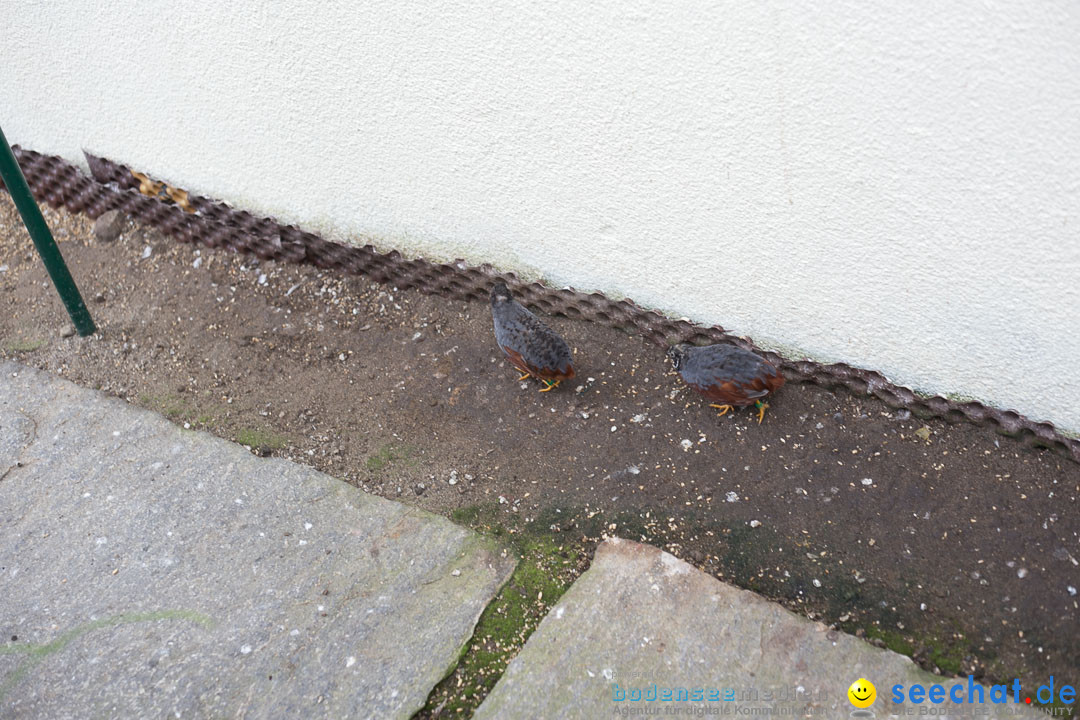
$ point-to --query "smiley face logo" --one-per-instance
(862, 693)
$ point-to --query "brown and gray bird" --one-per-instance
(727, 375)
(530, 345)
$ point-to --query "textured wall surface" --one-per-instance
(891, 187)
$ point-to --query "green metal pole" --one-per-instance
(43, 239)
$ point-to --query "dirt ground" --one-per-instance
(946, 542)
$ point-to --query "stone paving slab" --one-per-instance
(642, 619)
(147, 571)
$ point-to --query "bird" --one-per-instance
(727, 375)
(530, 345)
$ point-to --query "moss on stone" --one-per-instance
(545, 570)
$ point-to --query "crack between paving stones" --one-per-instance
(457, 662)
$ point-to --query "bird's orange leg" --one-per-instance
(761, 410)
(722, 408)
(526, 376)
(551, 385)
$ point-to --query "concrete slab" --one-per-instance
(642, 621)
(147, 571)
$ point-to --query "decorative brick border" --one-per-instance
(214, 224)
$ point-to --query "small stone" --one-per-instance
(732, 496)
(455, 573)
(146, 252)
(923, 433)
(1071, 589)
(109, 226)
(867, 481)
(755, 523)
(68, 331)
(1022, 573)
(99, 298)
(817, 583)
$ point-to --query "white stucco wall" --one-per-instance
(894, 187)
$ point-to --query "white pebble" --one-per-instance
(732, 496)
(1021, 573)
(245, 650)
(350, 661)
(817, 583)
(686, 445)
(867, 481)
(146, 252)
(1071, 589)
(755, 523)
(456, 573)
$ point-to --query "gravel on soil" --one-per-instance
(943, 541)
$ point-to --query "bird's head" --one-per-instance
(677, 353)
(500, 294)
